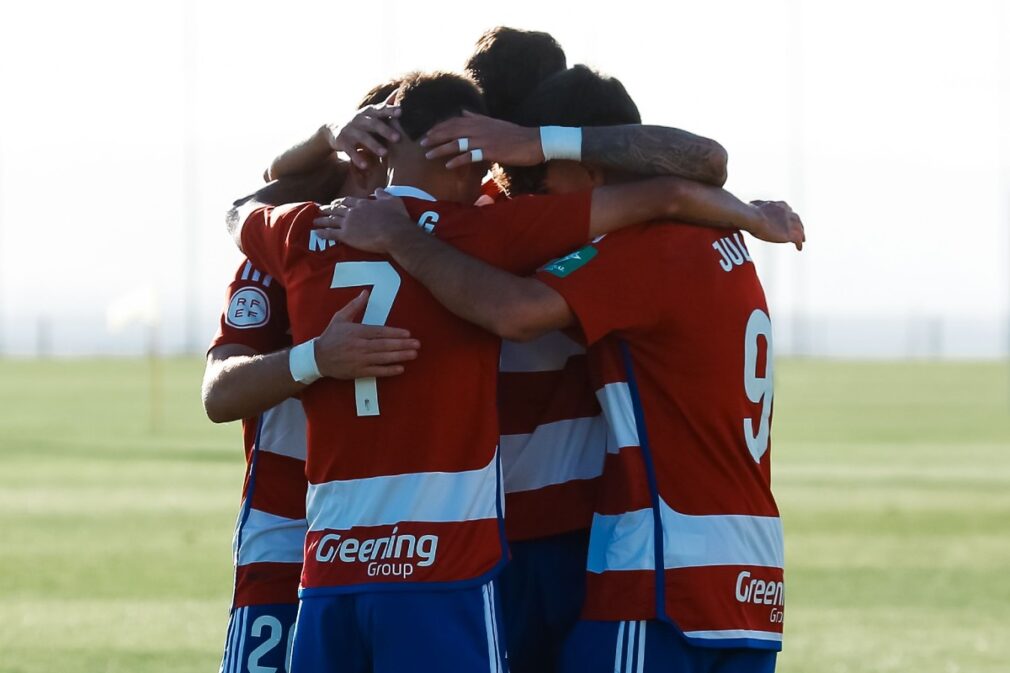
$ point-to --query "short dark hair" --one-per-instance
(508, 63)
(425, 99)
(579, 96)
(379, 93)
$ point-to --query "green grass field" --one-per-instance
(894, 482)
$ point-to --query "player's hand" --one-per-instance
(349, 350)
(777, 223)
(359, 135)
(371, 225)
(474, 138)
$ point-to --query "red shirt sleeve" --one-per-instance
(255, 313)
(614, 283)
(521, 234)
(267, 231)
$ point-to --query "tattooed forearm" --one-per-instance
(655, 150)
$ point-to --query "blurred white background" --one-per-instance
(127, 127)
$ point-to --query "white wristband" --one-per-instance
(302, 363)
(561, 142)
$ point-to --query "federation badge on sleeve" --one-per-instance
(565, 265)
(249, 308)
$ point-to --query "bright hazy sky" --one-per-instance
(878, 120)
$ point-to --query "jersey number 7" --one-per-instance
(385, 283)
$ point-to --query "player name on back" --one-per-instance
(732, 252)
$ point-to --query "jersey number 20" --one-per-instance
(385, 283)
(759, 388)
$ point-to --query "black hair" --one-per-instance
(508, 63)
(425, 99)
(579, 96)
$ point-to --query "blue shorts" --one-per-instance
(259, 639)
(543, 588)
(400, 632)
(652, 647)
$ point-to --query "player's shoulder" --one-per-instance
(417, 206)
(446, 219)
(284, 219)
(248, 274)
(693, 248)
(296, 214)
(253, 302)
(286, 213)
(255, 314)
(296, 208)
(666, 230)
(502, 210)
(295, 223)
(674, 248)
(671, 237)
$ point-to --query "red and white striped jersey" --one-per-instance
(553, 437)
(270, 531)
(686, 528)
(553, 434)
(404, 477)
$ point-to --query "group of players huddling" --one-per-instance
(590, 494)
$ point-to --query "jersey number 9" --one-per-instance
(759, 388)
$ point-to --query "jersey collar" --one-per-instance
(411, 192)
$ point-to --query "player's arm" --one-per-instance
(688, 200)
(635, 148)
(617, 206)
(365, 134)
(510, 306)
(673, 198)
(513, 307)
(655, 150)
(311, 169)
(238, 382)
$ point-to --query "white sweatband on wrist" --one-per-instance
(561, 142)
(302, 363)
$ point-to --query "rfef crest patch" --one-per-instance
(249, 307)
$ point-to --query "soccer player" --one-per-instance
(403, 511)
(508, 64)
(546, 405)
(685, 557)
(271, 526)
(243, 380)
(553, 432)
